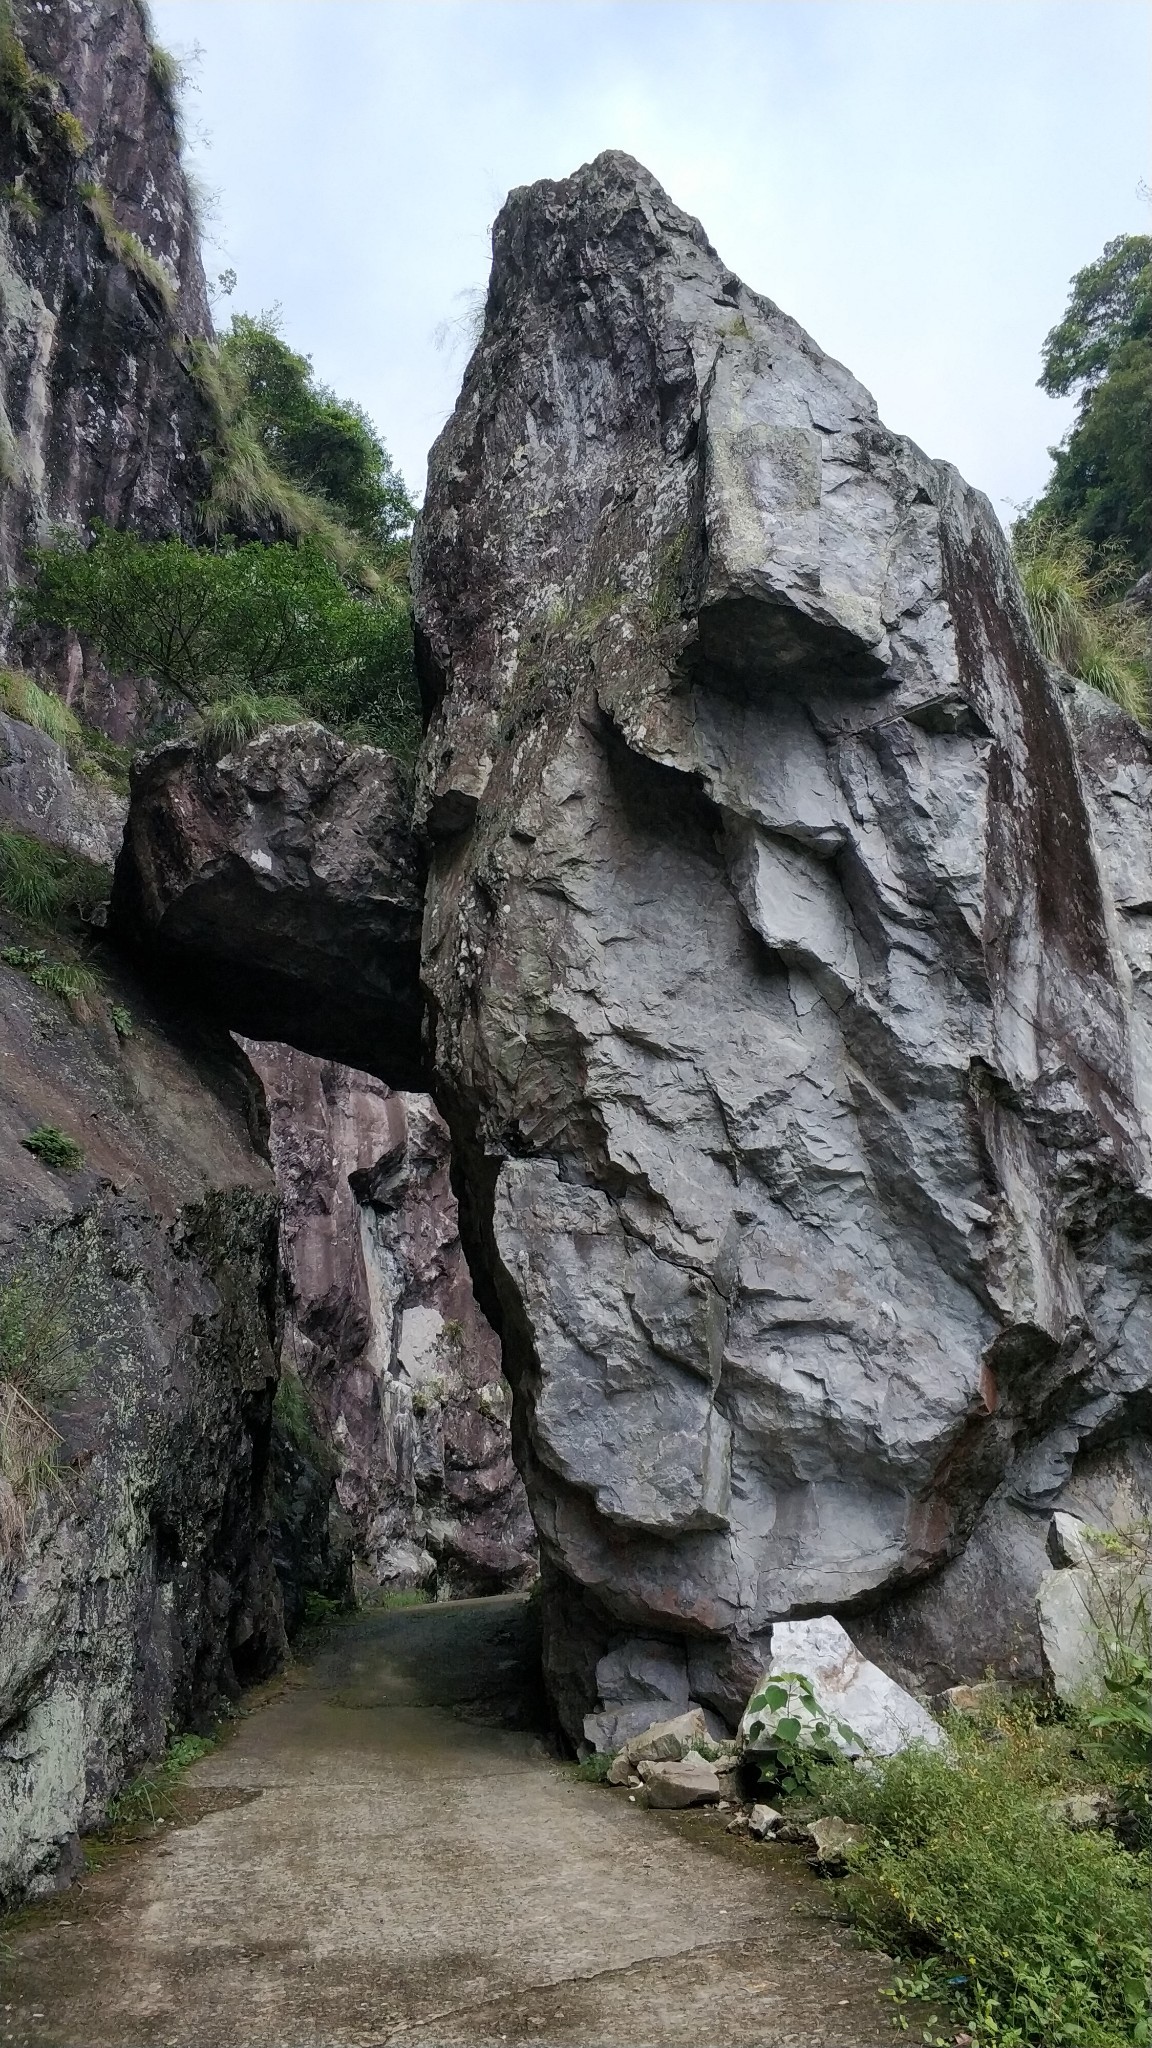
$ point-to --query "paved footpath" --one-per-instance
(369, 1867)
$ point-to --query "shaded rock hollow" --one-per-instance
(788, 1019)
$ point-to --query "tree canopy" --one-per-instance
(208, 625)
(326, 446)
(1101, 486)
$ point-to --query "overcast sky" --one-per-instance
(914, 180)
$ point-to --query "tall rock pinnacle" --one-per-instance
(783, 1006)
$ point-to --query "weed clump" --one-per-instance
(1035, 1936)
(41, 1363)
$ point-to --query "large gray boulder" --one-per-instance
(789, 1032)
(279, 886)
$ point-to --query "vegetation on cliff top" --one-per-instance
(296, 605)
(1090, 535)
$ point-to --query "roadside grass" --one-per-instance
(152, 1796)
(1029, 1934)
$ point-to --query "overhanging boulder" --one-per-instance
(281, 886)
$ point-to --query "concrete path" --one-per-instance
(369, 1868)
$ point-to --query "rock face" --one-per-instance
(39, 794)
(384, 1330)
(136, 1582)
(788, 1014)
(99, 417)
(281, 887)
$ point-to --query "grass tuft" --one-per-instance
(231, 721)
(1074, 624)
(126, 247)
(22, 698)
(43, 884)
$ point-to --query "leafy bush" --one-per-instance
(240, 622)
(1038, 1937)
(593, 1769)
(42, 883)
(54, 1148)
(1102, 348)
(122, 1023)
(786, 1717)
(323, 445)
(41, 1363)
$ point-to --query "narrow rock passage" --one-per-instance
(374, 1868)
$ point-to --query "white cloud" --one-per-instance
(915, 180)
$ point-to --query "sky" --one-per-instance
(914, 180)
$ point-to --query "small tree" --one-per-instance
(212, 625)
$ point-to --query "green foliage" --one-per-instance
(122, 1023)
(1072, 617)
(326, 446)
(126, 247)
(21, 697)
(1110, 301)
(1037, 1937)
(1102, 482)
(593, 1769)
(786, 1717)
(248, 495)
(319, 1609)
(64, 978)
(291, 1410)
(30, 100)
(399, 1597)
(22, 205)
(54, 1148)
(42, 883)
(249, 621)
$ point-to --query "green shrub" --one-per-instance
(54, 1148)
(594, 1769)
(291, 1410)
(252, 621)
(398, 1597)
(122, 1023)
(56, 977)
(40, 1314)
(324, 446)
(41, 1363)
(785, 1715)
(1038, 1937)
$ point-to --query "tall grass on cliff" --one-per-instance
(41, 1364)
(1076, 616)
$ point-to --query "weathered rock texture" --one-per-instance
(136, 1586)
(788, 1015)
(99, 416)
(282, 886)
(39, 794)
(383, 1329)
